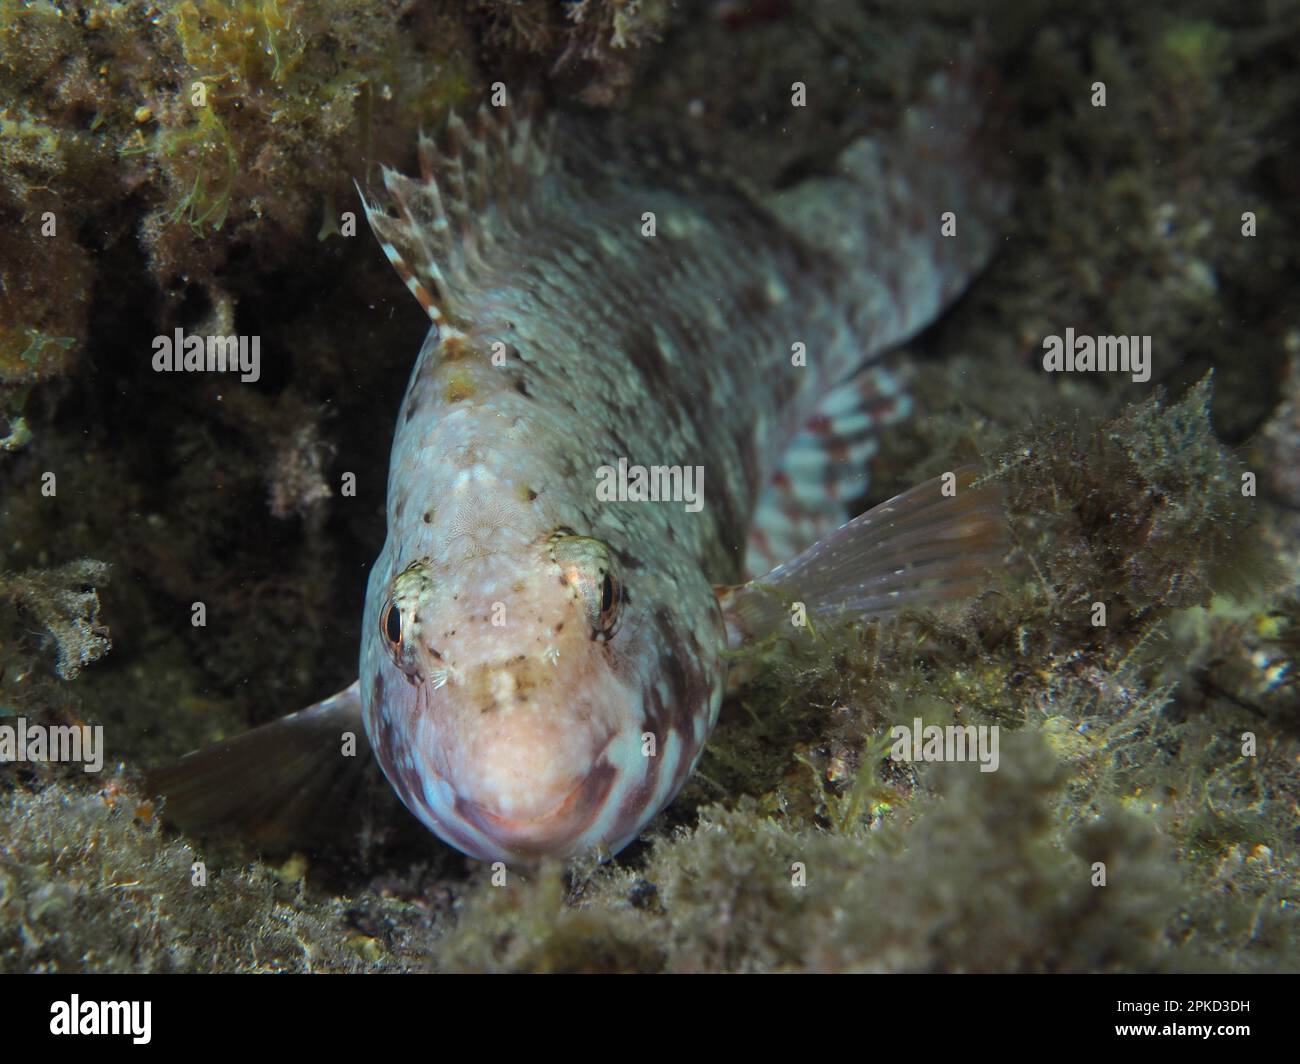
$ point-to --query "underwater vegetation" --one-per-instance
(799, 844)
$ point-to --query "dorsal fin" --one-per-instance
(440, 231)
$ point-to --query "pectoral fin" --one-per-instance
(298, 780)
(936, 543)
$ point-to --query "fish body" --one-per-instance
(543, 658)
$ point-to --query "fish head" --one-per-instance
(538, 699)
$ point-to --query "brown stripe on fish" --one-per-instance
(632, 806)
(657, 719)
(694, 421)
(644, 350)
(628, 561)
(730, 515)
(689, 686)
(456, 832)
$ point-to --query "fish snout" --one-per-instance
(531, 766)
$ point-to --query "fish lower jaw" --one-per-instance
(490, 828)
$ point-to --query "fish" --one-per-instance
(627, 450)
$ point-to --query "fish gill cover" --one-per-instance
(184, 555)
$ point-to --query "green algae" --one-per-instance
(208, 149)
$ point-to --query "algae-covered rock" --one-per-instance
(65, 602)
(89, 882)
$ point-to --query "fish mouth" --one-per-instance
(556, 832)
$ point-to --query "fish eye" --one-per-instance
(610, 600)
(399, 620)
(586, 566)
(392, 625)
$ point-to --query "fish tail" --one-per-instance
(910, 215)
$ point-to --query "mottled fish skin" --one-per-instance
(510, 693)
